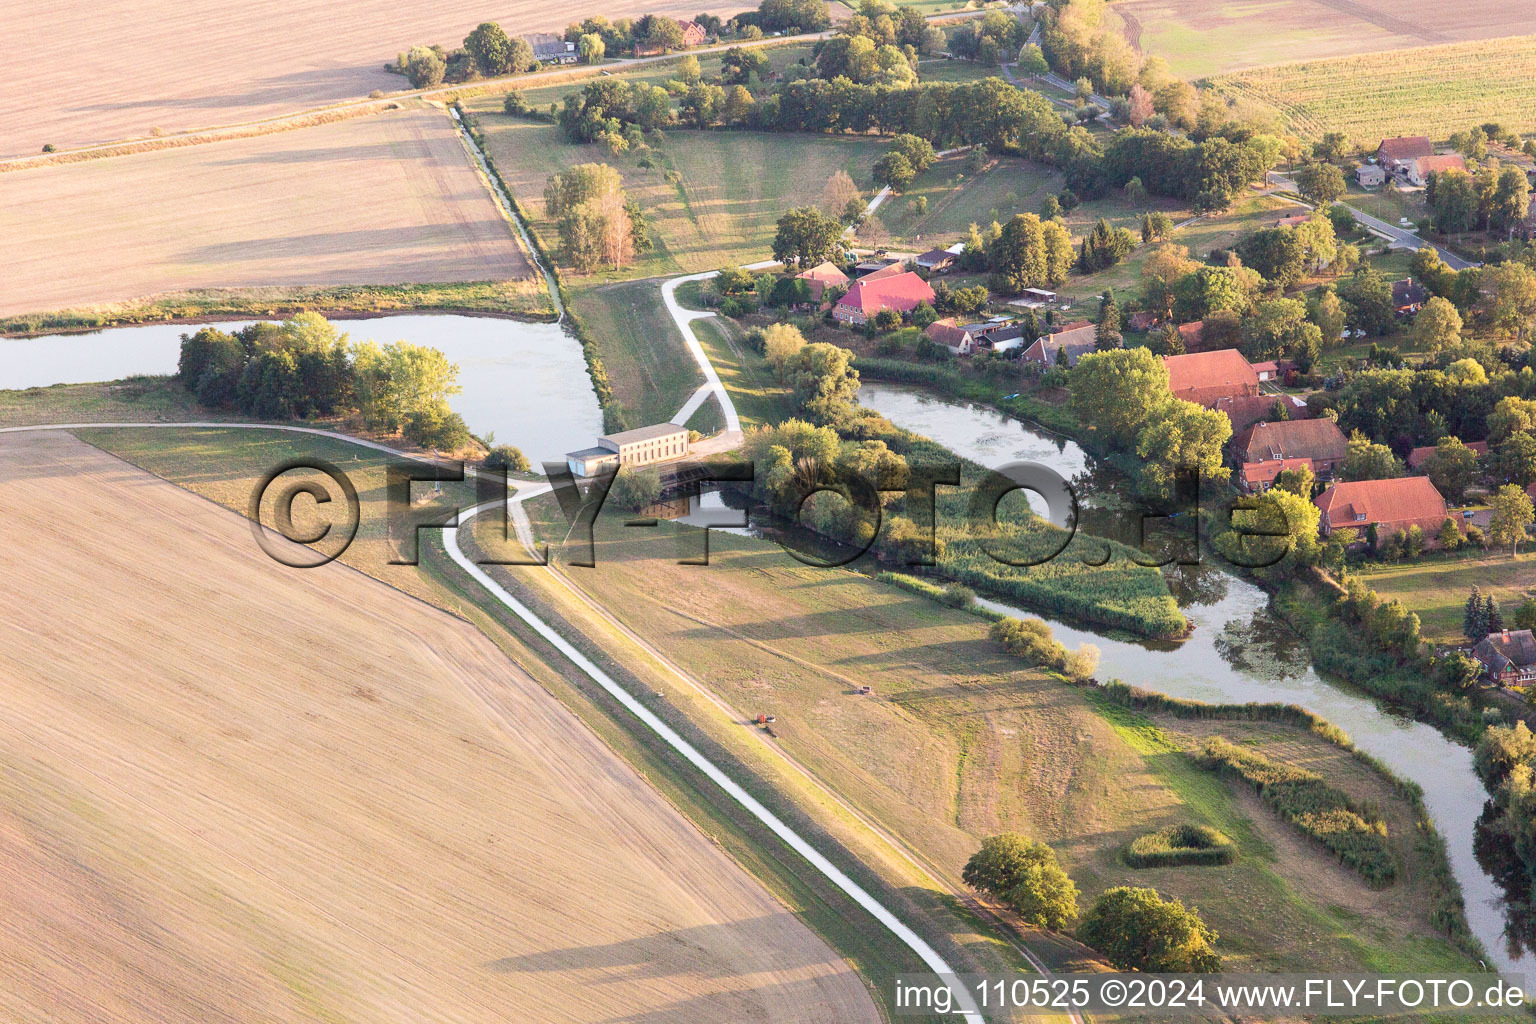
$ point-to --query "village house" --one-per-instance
(936, 261)
(549, 48)
(1370, 176)
(870, 294)
(1246, 410)
(1319, 442)
(1206, 377)
(874, 265)
(1388, 505)
(1408, 296)
(1396, 156)
(1508, 657)
(821, 277)
(1075, 339)
(1258, 477)
(642, 446)
(1192, 336)
(693, 33)
(1419, 457)
(1420, 169)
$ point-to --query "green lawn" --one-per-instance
(649, 367)
(755, 390)
(957, 198)
(1436, 586)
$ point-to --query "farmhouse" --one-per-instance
(947, 332)
(1319, 442)
(1395, 155)
(549, 48)
(1418, 459)
(901, 291)
(821, 277)
(1206, 377)
(693, 33)
(1258, 477)
(1246, 410)
(1075, 340)
(936, 261)
(1388, 505)
(1420, 169)
(1508, 657)
(1192, 336)
(1370, 176)
(642, 446)
(1408, 296)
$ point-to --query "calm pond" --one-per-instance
(527, 382)
(1238, 651)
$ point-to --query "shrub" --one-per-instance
(1138, 930)
(1350, 830)
(508, 457)
(958, 595)
(1179, 845)
(1031, 640)
(436, 426)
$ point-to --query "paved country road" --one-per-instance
(1398, 237)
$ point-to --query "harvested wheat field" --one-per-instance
(231, 791)
(387, 199)
(177, 66)
(1201, 37)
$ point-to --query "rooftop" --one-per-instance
(1203, 377)
(1403, 501)
(1319, 439)
(649, 433)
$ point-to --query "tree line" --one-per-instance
(303, 368)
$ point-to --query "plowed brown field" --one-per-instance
(231, 791)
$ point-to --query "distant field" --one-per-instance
(337, 804)
(376, 200)
(1431, 91)
(730, 188)
(1204, 37)
(1437, 587)
(98, 72)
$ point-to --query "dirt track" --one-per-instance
(234, 791)
(378, 200)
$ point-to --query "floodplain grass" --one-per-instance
(1434, 91)
(1435, 587)
(958, 740)
(648, 364)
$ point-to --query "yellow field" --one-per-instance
(231, 791)
(377, 200)
(98, 72)
(1202, 37)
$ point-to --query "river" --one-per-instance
(1238, 651)
(526, 382)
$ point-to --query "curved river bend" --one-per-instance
(1238, 651)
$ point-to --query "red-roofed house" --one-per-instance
(1389, 505)
(1419, 457)
(693, 33)
(1420, 169)
(821, 277)
(1192, 335)
(1257, 477)
(1246, 410)
(870, 294)
(1318, 441)
(1395, 155)
(1206, 377)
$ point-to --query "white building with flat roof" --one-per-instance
(643, 446)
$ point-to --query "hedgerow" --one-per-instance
(1179, 845)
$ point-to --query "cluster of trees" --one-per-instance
(992, 39)
(1135, 929)
(597, 223)
(1124, 394)
(1492, 198)
(908, 157)
(1505, 759)
(1481, 615)
(1104, 247)
(614, 111)
(806, 236)
(1208, 174)
(1026, 252)
(1077, 44)
(1031, 640)
(303, 368)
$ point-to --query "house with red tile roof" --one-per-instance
(1420, 169)
(1206, 377)
(693, 33)
(1396, 154)
(1246, 410)
(1388, 505)
(1192, 335)
(1319, 441)
(821, 277)
(951, 335)
(1419, 457)
(870, 294)
(1257, 477)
